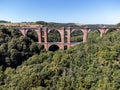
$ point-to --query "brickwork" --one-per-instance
(62, 30)
(103, 30)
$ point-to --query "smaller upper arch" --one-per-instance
(57, 29)
(54, 36)
(51, 29)
(76, 30)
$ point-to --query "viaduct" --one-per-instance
(42, 32)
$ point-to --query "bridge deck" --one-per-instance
(76, 28)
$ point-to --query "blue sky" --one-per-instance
(65, 11)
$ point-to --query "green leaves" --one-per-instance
(94, 65)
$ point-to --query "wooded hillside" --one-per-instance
(24, 65)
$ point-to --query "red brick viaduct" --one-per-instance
(62, 30)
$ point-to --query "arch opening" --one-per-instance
(93, 36)
(32, 35)
(53, 48)
(111, 30)
(54, 36)
(77, 36)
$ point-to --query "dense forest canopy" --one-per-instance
(25, 65)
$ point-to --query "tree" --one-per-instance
(118, 24)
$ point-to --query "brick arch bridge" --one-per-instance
(62, 30)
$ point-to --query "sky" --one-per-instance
(63, 11)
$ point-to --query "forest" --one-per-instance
(25, 65)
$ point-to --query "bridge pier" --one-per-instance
(68, 30)
(102, 31)
(62, 32)
(39, 33)
(45, 34)
(46, 46)
(85, 34)
(24, 31)
(61, 46)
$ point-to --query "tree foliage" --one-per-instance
(94, 65)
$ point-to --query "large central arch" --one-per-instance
(53, 47)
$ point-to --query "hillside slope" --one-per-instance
(94, 65)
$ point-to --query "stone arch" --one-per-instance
(76, 35)
(102, 31)
(51, 29)
(93, 35)
(53, 47)
(96, 31)
(32, 34)
(54, 35)
(93, 30)
(23, 31)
